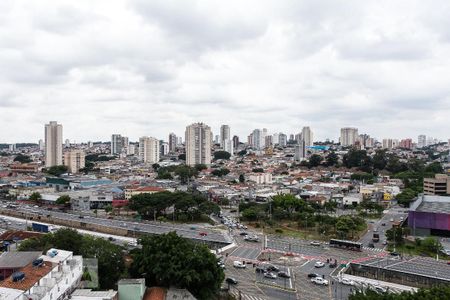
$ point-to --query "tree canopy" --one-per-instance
(222, 155)
(170, 260)
(22, 158)
(57, 170)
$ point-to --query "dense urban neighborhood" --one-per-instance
(276, 216)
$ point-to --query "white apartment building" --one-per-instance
(149, 149)
(74, 160)
(53, 144)
(198, 144)
(225, 139)
(51, 277)
(348, 136)
(261, 178)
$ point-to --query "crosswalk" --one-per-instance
(243, 296)
(373, 249)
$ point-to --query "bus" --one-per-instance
(350, 245)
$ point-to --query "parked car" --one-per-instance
(203, 234)
(319, 280)
(314, 243)
(270, 275)
(313, 275)
(231, 280)
(283, 274)
(384, 242)
(370, 245)
(260, 270)
(243, 233)
(272, 268)
(319, 264)
(238, 264)
(333, 264)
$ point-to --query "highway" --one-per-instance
(188, 231)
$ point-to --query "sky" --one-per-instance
(151, 67)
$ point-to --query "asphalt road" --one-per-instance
(191, 232)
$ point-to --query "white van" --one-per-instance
(238, 264)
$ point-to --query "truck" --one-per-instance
(376, 237)
(39, 227)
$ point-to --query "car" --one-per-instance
(239, 265)
(379, 289)
(346, 281)
(313, 275)
(203, 234)
(272, 268)
(384, 242)
(283, 274)
(270, 275)
(231, 280)
(314, 243)
(319, 280)
(391, 220)
(370, 245)
(383, 224)
(192, 228)
(243, 233)
(260, 270)
(394, 253)
(375, 229)
(333, 264)
(319, 264)
(221, 265)
(401, 218)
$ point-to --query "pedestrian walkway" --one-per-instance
(243, 296)
(373, 249)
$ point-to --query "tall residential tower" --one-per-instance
(198, 144)
(53, 144)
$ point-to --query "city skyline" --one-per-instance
(148, 69)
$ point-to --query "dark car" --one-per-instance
(231, 280)
(260, 270)
(394, 254)
(383, 224)
(243, 233)
(313, 275)
(272, 268)
(371, 245)
(283, 274)
(333, 264)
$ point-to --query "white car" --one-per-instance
(319, 280)
(347, 281)
(319, 264)
(239, 265)
(270, 275)
(314, 243)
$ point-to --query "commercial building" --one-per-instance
(172, 143)
(430, 215)
(132, 191)
(439, 185)
(349, 136)
(149, 149)
(74, 160)
(198, 144)
(53, 144)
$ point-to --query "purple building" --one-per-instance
(430, 215)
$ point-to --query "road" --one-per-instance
(187, 231)
(392, 214)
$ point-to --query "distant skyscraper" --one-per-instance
(257, 139)
(282, 139)
(406, 144)
(348, 136)
(300, 151)
(421, 141)
(235, 142)
(225, 139)
(198, 144)
(149, 149)
(116, 144)
(291, 138)
(268, 142)
(276, 138)
(164, 148)
(74, 160)
(41, 145)
(307, 136)
(67, 143)
(172, 143)
(53, 144)
(12, 147)
(90, 144)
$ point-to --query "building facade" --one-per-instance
(307, 136)
(74, 160)
(349, 136)
(149, 149)
(439, 185)
(198, 144)
(53, 144)
(172, 143)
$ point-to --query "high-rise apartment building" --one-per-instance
(348, 136)
(276, 138)
(307, 136)
(225, 139)
(116, 144)
(163, 148)
(149, 149)
(67, 143)
(421, 141)
(406, 144)
(74, 160)
(257, 139)
(300, 151)
(53, 144)
(41, 145)
(235, 142)
(172, 143)
(198, 144)
(268, 141)
(282, 139)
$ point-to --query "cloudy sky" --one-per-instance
(148, 67)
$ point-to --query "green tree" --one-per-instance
(23, 158)
(395, 234)
(57, 170)
(182, 156)
(185, 173)
(64, 199)
(315, 160)
(200, 167)
(434, 167)
(241, 178)
(431, 244)
(406, 197)
(36, 197)
(220, 172)
(332, 159)
(258, 170)
(379, 159)
(222, 155)
(170, 260)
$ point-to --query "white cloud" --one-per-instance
(152, 67)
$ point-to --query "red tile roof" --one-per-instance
(32, 275)
(155, 293)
